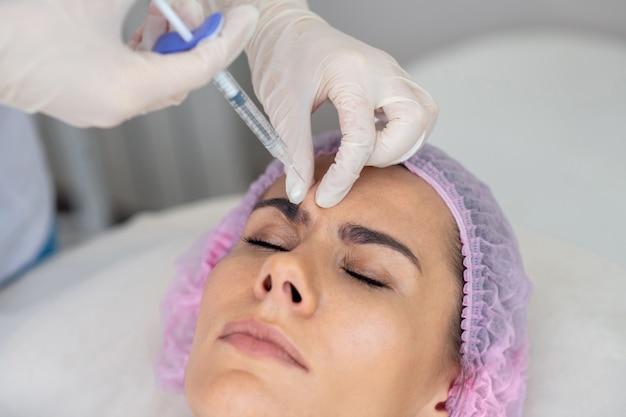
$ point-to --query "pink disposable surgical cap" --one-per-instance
(494, 347)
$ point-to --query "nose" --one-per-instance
(286, 279)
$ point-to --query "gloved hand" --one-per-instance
(298, 61)
(65, 58)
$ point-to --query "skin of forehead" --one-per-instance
(401, 193)
(397, 181)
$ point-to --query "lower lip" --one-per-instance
(260, 348)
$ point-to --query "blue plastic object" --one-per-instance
(172, 42)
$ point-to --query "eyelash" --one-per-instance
(370, 282)
(264, 244)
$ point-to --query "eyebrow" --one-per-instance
(362, 235)
(352, 233)
(291, 211)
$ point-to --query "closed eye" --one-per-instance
(371, 282)
(365, 279)
(264, 244)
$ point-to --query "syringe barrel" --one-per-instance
(250, 114)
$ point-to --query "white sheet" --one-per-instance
(78, 336)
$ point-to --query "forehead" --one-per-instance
(391, 199)
(395, 182)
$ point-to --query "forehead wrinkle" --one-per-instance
(362, 235)
(291, 211)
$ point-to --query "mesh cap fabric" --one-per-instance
(496, 292)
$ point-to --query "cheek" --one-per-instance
(374, 332)
(375, 351)
(227, 286)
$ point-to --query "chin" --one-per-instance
(234, 393)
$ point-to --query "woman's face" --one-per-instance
(337, 312)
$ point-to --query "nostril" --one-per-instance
(295, 295)
(289, 289)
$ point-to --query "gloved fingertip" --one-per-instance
(296, 188)
(327, 199)
(408, 154)
(297, 193)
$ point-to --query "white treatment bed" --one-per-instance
(79, 334)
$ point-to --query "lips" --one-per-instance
(257, 339)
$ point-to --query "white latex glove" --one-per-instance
(298, 61)
(65, 58)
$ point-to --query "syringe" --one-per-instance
(255, 120)
(225, 82)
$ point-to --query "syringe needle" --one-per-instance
(253, 117)
(292, 167)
